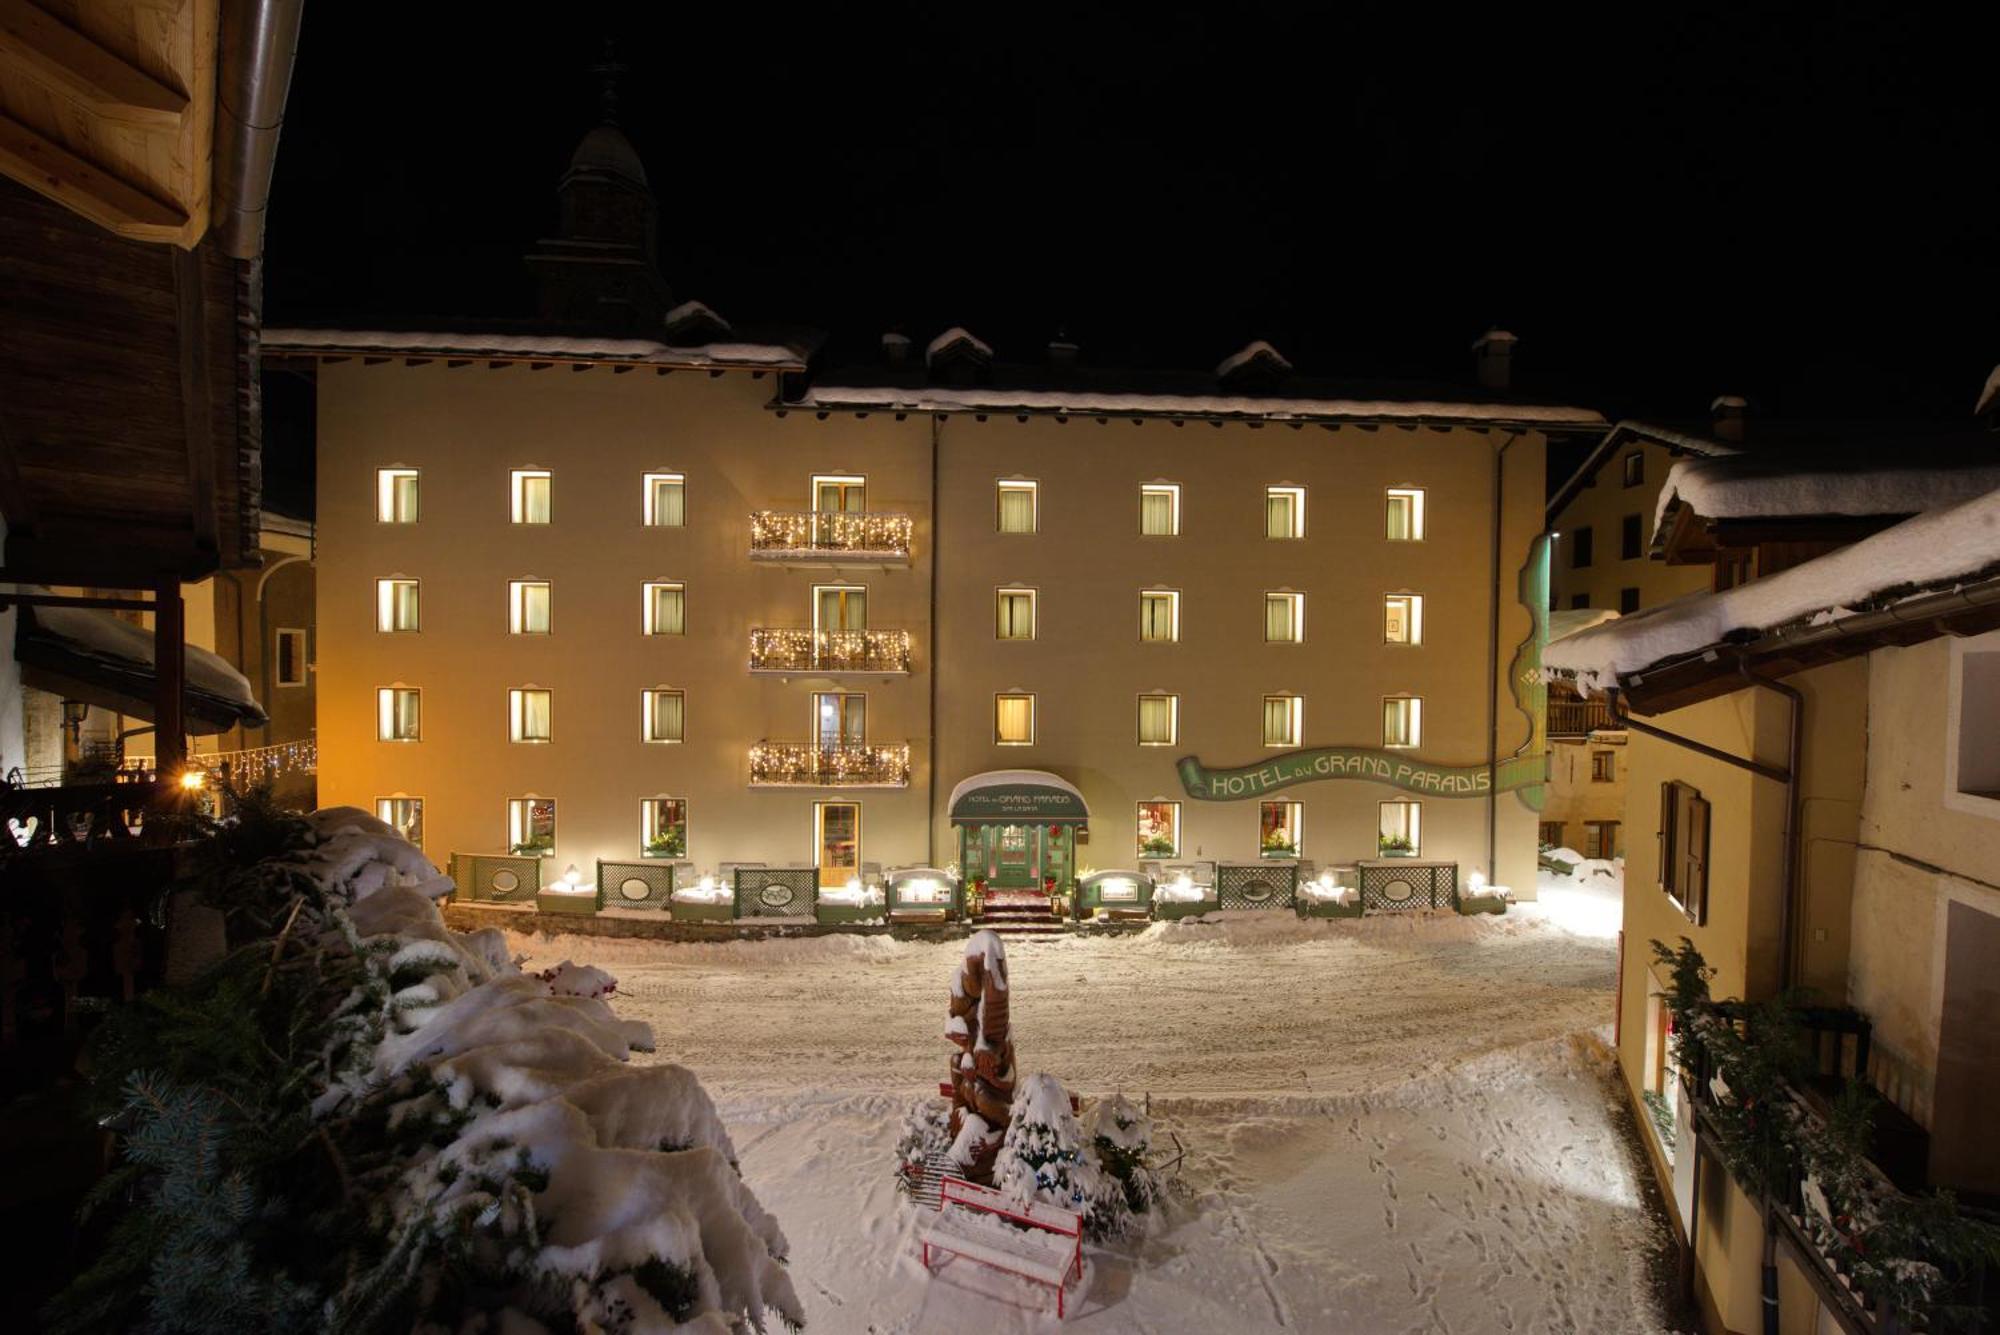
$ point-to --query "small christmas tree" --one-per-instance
(1045, 1156)
(1122, 1136)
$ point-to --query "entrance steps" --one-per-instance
(1019, 913)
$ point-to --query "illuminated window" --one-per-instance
(663, 827)
(405, 815)
(1017, 507)
(531, 826)
(1159, 829)
(840, 607)
(1159, 720)
(1284, 512)
(531, 714)
(665, 609)
(1402, 721)
(531, 495)
(396, 495)
(1403, 618)
(840, 718)
(1280, 827)
(528, 606)
(666, 500)
(1160, 509)
(1284, 618)
(397, 605)
(1014, 611)
(1014, 720)
(665, 715)
(1405, 514)
(835, 494)
(1284, 719)
(1159, 616)
(1400, 828)
(398, 713)
(290, 653)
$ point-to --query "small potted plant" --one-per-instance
(667, 844)
(975, 894)
(540, 846)
(1397, 846)
(1278, 844)
(1157, 846)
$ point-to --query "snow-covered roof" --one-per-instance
(1248, 353)
(1753, 486)
(97, 648)
(1936, 550)
(690, 310)
(952, 337)
(1989, 397)
(1570, 620)
(452, 343)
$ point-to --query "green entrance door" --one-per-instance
(1017, 856)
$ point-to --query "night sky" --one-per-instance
(1797, 205)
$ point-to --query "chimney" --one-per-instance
(1726, 415)
(895, 348)
(1062, 352)
(1493, 357)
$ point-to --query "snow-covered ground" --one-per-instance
(1393, 1124)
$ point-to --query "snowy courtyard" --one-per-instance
(1392, 1124)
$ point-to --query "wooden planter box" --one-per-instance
(682, 910)
(583, 905)
(1167, 910)
(1327, 908)
(834, 915)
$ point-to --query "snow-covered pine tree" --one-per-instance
(1045, 1156)
(1122, 1136)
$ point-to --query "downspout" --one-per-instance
(260, 38)
(930, 812)
(1493, 673)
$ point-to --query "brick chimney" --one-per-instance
(1726, 416)
(1493, 359)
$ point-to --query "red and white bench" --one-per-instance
(1037, 1242)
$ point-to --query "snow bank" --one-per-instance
(1930, 551)
(1744, 486)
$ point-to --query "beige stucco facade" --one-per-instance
(598, 433)
(1603, 509)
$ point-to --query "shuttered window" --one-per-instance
(1684, 819)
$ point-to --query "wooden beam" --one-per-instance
(170, 679)
(83, 189)
(73, 67)
(197, 405)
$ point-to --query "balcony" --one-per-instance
(871, 652)
(806, 537)
(1571, 716)
(841, 765)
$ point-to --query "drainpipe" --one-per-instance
(1493, 673)
(930, 810)
(259, 41)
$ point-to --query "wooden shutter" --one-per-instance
(1669, 855)
(1694, 879)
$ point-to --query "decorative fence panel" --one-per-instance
(776, 892)
(495, 878)
(1257, 885)
(635, 885)
(1396, 885)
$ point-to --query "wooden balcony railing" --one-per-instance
(809, 536)
(785, 649)
(1577, 717)
(843, 765)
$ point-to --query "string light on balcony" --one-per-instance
(778, 531)
(260, 763)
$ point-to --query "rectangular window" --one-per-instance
(398, 714)
(1159, 720)
(1017, 507)
(1684, 849)
(1159, 616)
(1400, 828)
(1159, 829)
(666, 500)
(291, 656)
(1972, 737)
(839, 493)
(1402, 721)
(665, 609)
(1552, 834)
(531, 826)
(1284, 512)
(1580, 549)
(528, 606)
(663, 827)
(1279, 828)
(664, 715)
(531, 714)
(1406, 514)
(837, 835)
(1403, 618)
(1600, 839)
(1577, 600)
(1014, 720)
(1160, 510)
(397, 605)
(1603, 766)
(840, 718)
(404, 815)
(1635, 469)
(1015, 614)
(1284, 719)
(1284, 618)
(396, 495)
(1628, 601)
(840, 607)
(531, 488)
(1629, 538)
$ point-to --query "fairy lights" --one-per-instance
(846, 765)
(788, 649)
(792, 534)
(260, 762)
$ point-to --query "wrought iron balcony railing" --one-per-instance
(784, 649)
(807, 535)
(844, 765)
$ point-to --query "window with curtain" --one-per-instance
(530, 711)
(1015, 614)
(1403, 618)
(531, 495)
(1014, 720)
(1279, 826)
(666, 715)
(666, 500)
(1160, 510)
(404, 815)
(397, 605)
(840, 718)
(396, 495)
(1159, 616)
(531, 826)
(666, 609)
(1284, 512)
(1402, 721)
(1284, 719)
(1284, 618)
(1401, 827)
(1406, 514)
(1017, 507)
(840, 607)
(1159, 720)
(528, 606)
(1159, 830)
(399, 713)
(840, 495)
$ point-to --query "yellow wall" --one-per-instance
(1602, 508)
(1575, 797)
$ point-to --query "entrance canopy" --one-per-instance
(1017, 797)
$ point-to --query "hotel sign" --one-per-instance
(1354, 762)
